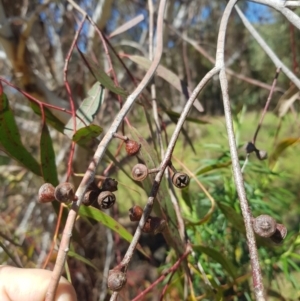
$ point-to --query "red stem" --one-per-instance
(71, 100)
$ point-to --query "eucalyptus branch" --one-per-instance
(278, 63)
(159, 175)
(292, 3)
(238, 177)
(90, 173)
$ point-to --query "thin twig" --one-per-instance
(33, 99)
(59, 216)
(238, 177)
(18, 263)
(108, 260)
(266, 106)
(70, 96)
(4, 236)
(292, 3)
(104, 43)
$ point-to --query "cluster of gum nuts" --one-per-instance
(65, 193)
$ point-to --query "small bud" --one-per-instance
(139, 172)
(110, 185)
(154, 225)
(132, 147)
(90, 197)
(116, 280)
(65, 192)
(264, 225)
(106, 199)
(180, 180)
(46, 193)
(135, 213)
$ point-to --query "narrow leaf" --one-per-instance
(187, 139)
(82, 259)
(168, 76)
(109, 222)
(218, 257)
(126, 26)
(49, 170)
(10, 137)
(174, 116)
(101, 76)
(106, 220)
(185, 193)
(87, 110)
(212, 167)
(235, 218)
(286, 100)
(280, 148)
(85, 134)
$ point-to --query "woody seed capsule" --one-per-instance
(132, 147)
(64, 192)
(46, 193)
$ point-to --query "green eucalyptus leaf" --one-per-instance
(10, 138)
(87, 110)
(231, 215)
(101, 76)
(212, 167)
(185, 193)
(85, 134)
(82, 259)
(109, 222)
(174, 116)
(280, 148)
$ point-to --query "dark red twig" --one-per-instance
(33, 99)
(266, 106)
(71, 100)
